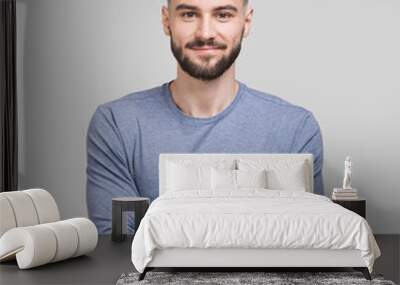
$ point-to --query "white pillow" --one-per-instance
(281, 174)
(252, 178)
(237, 179)
(188, 177)
(223, 179)
(289, 179)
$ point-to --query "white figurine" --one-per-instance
(347, 173)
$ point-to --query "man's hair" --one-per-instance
(245, 2)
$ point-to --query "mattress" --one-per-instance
(250, 218)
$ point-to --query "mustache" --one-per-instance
(200, 43)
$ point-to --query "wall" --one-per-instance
(338, 59)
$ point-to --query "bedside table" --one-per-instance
(358, 206)
(120, 205)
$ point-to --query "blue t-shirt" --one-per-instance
(126, 136)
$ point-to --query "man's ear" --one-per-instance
(247, 21)
(165, 20)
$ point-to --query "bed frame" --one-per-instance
(245, 259)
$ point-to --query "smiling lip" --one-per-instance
(205, 47)
(208, 49)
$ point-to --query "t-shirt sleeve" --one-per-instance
(108, 172)
(308, 139)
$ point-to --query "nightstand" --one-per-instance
(138, 205)
(358, 206)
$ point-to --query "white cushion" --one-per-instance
(168, 177)
(7, 220)
(31, 233)
(188, 177)
(223, 179)
(281, 174)
(67, 237)
(31, 246)
(45, 205)
(87, 233)
(251, 178)
(23, 208)
(27, 208)
(230, 180)
(40, 244)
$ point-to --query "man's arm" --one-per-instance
(308, 139)
(108, 172)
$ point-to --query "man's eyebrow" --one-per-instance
(190, 7)
(185, 7)
(227, 7)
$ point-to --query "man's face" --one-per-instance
(206, 36)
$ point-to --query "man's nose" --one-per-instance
(206, 28)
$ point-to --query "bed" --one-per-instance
(244, 211)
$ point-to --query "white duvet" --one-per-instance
(251, 218)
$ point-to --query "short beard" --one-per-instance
(205, 73)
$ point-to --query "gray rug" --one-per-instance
(228, 278)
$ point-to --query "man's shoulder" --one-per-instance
(267, 100)
(137, 97)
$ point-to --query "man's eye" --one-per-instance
(188, 14)
(224, 15)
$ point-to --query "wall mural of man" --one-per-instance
(205, 109)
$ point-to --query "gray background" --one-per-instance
(339, 59)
